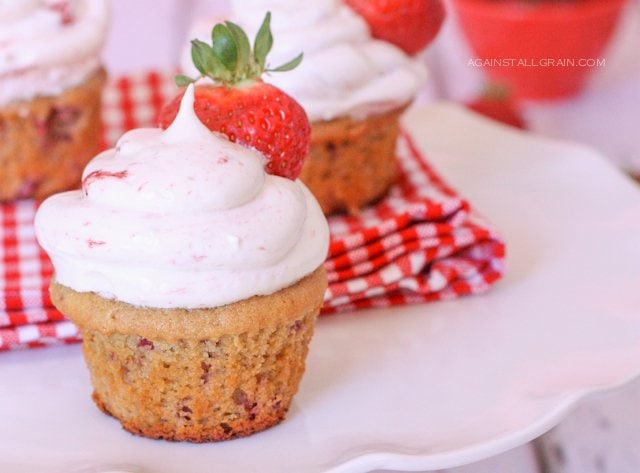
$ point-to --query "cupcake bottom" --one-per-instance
(197, 375)
(46, 142)
(351, 162)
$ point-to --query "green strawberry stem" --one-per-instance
(230, 60)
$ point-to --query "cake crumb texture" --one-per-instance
(199, 390)
(352, 163)
(46, 142)
(197, 375)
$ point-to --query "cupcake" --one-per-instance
(353, 87)
(50, 86)
(195, 279)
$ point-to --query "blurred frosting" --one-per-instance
(48, 46)
(182, 218)
(344, 73)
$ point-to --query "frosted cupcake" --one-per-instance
(50, 86)
(353, 88)
(194, 277)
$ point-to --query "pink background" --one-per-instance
(148, 34)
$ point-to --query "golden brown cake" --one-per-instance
(46, 142)
(352, 162)
(198, 375)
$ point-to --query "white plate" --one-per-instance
(422, 387)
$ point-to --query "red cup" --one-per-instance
(539, 49)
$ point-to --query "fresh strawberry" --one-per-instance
(260, 116)
(496, 103)
(409, 24)
(240, 105)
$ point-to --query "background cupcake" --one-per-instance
(352, 87)
(50, 84)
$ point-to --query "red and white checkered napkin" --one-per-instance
(421, 243)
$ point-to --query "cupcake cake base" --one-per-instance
(46, 142)
(196, 375)
(352, 163)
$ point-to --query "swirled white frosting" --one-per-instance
(48, 46)
(182, 218)
(344, 73)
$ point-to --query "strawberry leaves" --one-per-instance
(230, 59)
(288, 66)
(182, 80)
(224, 48)
(263, 42)
(254, 114)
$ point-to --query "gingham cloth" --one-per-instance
(421, 243)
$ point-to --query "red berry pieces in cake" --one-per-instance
(409, 24)
(240, 398)
(60, 123)
(28, 188)
(57, 126)
(241, 106)
(145, 345)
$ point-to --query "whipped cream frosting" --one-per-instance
(48, 46)
(344, 73)
(182, 218)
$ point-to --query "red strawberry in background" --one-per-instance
(240, 105)
(409, 24)
(496, 103)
